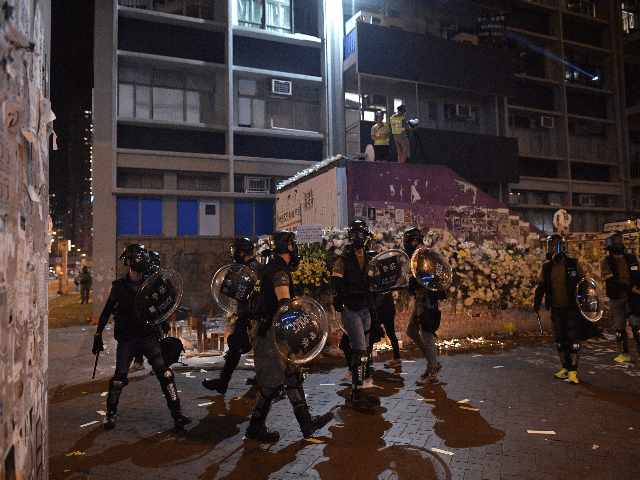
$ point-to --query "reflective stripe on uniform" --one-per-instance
(396, 124)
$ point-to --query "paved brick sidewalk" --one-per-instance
(474, 425)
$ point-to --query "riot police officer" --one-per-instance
(153, 266)
(558, 280)
(238, 341)
(133, 335)
(273, 370)
(351, 298)
(622, 278)
(426, 315)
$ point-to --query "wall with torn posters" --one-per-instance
(395, 196)
(25, 234)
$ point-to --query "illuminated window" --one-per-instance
(276, 17)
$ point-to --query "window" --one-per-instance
(253, 218)
(276, 17)
(198, 218)
(166, 95)
(139, 216)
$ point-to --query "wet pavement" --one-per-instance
(498, 413)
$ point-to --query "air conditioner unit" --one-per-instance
(544, 122)
(463, 111)
(281, 87)
(587, 200)
(256, 185)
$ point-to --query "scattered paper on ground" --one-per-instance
(87, 424)
(314, 440)
(463, 401)
(542, 432)
(595, 446)
(499, 366)
(427, 399)
(327, 384)
(470, 408)
(205, 404)
(409, 361)
(478, 355)
(74, 454)
(441, 451)
(104, 394)
(101, 412)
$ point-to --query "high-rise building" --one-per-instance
(201, 107)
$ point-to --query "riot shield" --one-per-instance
(431, 269)
(389, 270)
(590, 300)
(232, 284)
(158, 297)
(301, 329)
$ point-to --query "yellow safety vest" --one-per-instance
(381, 130)
(396, 124)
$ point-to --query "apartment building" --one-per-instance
(202, 106)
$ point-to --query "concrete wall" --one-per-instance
(196, 259)
(25, 233)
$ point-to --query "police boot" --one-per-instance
(220, 384)
(165, 376)
(623, 346)
(360, 402)
(257, 429)
(636, 336)
(113, 397)
(309, 424)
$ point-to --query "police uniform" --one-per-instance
(273, 370)
(557, 284)
(425, 316)
(238, 341)
(133, 336)
(621, 274)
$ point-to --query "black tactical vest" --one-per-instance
(355, 283)
(615, 289)
(571, 280)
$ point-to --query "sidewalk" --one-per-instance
(493, 416)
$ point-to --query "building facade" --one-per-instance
(551, 74)
(201, 107)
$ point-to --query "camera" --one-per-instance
(413, 123)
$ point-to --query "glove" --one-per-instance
(337, 303)
(98, 346)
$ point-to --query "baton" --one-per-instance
(539, 323)
(95, 365)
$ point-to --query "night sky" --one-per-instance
(71, 77)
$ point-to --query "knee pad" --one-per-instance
(574, 347)
(269, 394)
(294, 379)
(165, 375)
(118, 382)
(359, 358)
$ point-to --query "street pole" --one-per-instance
(63, 246)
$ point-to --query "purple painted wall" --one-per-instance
(394, 195)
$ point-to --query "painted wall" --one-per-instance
(393, 195)
(25, 233)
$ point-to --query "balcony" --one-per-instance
(394, 53)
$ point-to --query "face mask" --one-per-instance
(357, 240)
(617, 249)
(557, 257)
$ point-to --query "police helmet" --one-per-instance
(283, 241)
(358, 232)
(240, 248)
(411, 235)
(135, 256)
(85, 269)
(614, 244)
(555, 244)
(154, 258)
